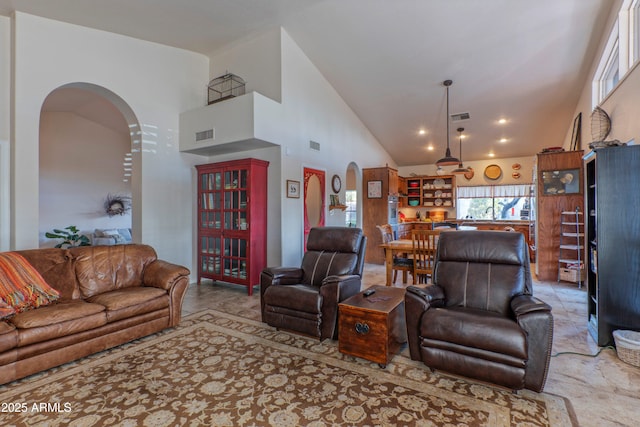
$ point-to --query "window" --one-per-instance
(608, 72)
(494, 202)
(621, 53)
(351, 212)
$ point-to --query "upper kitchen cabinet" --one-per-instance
(236, 124)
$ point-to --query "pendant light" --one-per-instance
(447, 160)
(460, 168)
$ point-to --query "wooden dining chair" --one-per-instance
(400, 263)
(425, 243)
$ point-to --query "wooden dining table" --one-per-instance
(395, 247)
(404, 246)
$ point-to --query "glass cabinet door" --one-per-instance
(211, 200)
(235, 258)
(210, 254)
(235, 200)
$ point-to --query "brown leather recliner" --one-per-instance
(479, 318)
(305, 299)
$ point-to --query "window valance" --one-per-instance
(484, 191)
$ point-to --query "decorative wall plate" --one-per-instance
(469, 174)
(493, 172)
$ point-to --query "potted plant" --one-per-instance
(70, 235)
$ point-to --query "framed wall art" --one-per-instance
(565, 181)
(293, 189)
(374, 189)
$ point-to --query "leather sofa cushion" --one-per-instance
(475, 329)
(300, 298)
(102, 269)
(129, 302)
(8, 336)
(58, 320)
(56, 266)
(56, 313)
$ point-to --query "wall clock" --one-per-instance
(336, 183)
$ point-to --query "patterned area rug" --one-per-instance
(217, 369)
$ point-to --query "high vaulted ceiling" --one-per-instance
(521, 60)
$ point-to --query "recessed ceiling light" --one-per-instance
(422, 132)
(503, 140)
(430, 147)
(502, 121)
(491, 155)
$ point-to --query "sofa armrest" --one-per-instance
(162, 274)
(172, 278)
(535, 318)
(417, 300)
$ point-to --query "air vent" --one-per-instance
(205, 134)
(460, 116)
(314, 145)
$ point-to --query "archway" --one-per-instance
(88, 149)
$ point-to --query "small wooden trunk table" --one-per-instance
(373, 327)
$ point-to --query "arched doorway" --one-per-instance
(87, 149)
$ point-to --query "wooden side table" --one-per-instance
(373, 327)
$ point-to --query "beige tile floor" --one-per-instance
(603, 390)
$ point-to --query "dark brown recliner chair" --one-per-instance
(479, 318)
(306, 299)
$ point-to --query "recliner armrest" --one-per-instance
(417, 300)
(430, 293)
(284, 275)
(535, 318)
(524, 304)
(343, 278)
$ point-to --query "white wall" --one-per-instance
(80, 163)
(256, 60)
(157, 82)
(5, 130)
(311, 111)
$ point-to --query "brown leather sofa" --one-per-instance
(305, 299)
(479, 318)
(109, 295)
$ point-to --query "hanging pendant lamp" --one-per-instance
(460, 169)
(447, 160)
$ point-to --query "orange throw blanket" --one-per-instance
(21, 286)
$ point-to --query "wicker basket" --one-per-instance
(571, 274)
(628, 346)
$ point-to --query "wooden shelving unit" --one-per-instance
(431, 191)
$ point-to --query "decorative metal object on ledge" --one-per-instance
(116, 204)
(225, 87)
